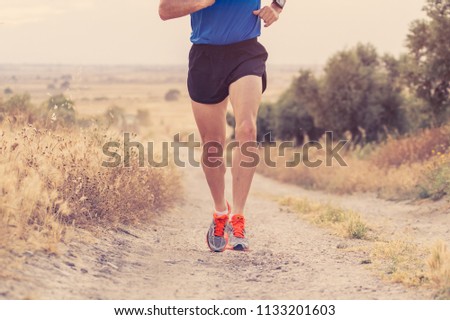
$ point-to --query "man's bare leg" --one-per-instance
(245, 96)
(211, 122)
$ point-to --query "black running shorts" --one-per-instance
(213, 68)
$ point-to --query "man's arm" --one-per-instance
(171, 9)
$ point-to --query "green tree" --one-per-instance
(61, 108)
(18, 104)
(266, 123)
(293, 117)
(428, 69)
(19, 109)
(361, 95)
(231, 121)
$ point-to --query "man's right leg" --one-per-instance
(211, 123)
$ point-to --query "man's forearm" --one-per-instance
(170, 9)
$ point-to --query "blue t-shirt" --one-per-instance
(226, 22)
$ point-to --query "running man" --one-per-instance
(226, 63)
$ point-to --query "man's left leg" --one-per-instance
(245, 97)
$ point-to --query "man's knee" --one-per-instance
(212, 138)
(246, 130)
(213, 154)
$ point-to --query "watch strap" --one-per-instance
(277, 4)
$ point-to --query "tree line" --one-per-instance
(368, 96)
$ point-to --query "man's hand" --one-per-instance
(269, 14)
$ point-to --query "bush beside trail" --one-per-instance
(52, 178)
(411, 167)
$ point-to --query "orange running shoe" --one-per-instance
(216, 238)
(236, 233)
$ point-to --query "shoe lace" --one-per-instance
(238, 222)
(220, 222)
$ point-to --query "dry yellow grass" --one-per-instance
(436, 176)
(344, 222)
(439, 269)
(401, 261)
(419, 147)
(52, 179)
(407, 262)
(425, 175)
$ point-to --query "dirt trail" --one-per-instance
(289, 258)
(426, 223)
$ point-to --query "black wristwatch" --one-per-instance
(279, 3)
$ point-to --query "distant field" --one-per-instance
(96, 88)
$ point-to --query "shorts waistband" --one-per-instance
(226, 46)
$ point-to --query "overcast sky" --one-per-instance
(130, 32)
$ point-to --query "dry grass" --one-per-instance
(344, 222)
(406, 262)
(435, 182)
(420, 147)
(52, 179)
(400, 261)
(439, 269)
(425, 175)
(359, 176)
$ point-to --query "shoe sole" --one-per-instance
(240, 247)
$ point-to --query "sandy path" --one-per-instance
(289, 259)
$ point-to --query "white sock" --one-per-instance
(221, 213)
